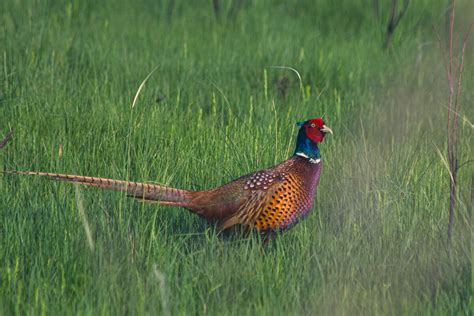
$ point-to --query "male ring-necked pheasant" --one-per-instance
(267, 200)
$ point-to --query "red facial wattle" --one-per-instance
(313, 129)
(314, 134)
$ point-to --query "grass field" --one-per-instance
(215, 109)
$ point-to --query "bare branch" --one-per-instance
(6, 139)
(394, 19)
(401, 14)
(216, 7)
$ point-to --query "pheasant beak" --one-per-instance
(326, 129)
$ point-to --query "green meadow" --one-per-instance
(218, 107)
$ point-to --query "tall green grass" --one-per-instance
(376, 241)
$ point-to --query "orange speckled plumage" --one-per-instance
(288, 191)
(285, 207)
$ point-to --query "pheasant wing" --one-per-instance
(261, 185)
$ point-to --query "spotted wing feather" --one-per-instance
(259, 187)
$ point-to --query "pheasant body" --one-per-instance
(294, 198)
(267, 200)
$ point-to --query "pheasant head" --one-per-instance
(310, 134)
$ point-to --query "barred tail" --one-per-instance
(145, 192)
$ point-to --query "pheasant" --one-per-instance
(269, 200)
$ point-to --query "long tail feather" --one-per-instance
(143, 191)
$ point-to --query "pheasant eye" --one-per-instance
(313, 125)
